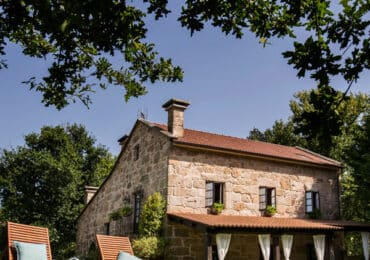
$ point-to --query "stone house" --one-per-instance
(194, 169)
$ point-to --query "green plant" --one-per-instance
(152, 215)
(315, 214)
(125, 211)
(149, 247)
(270, 210)
(218, 207)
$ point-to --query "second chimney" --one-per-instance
(175, 109)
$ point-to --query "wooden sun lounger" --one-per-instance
(111, 246)
(28, 234)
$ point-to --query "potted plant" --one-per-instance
(217, 208)
(125, 211)
(270, 211)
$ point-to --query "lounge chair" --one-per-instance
(32, 235)
(111, 246)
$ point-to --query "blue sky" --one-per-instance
(233, 85)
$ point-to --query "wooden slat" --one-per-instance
(28, 234)
(110, 246)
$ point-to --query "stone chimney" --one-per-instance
(89, 193)
(175, 109)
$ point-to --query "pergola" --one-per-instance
(223, 226)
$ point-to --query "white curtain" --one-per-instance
(319, 242)
(287, 242)
(265, 241)
(365, 244)
(223, 242)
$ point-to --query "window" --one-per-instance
(312, 201)
(137, 210)
(214, 193)
(267, 197)
(136, 152)
(106, 228)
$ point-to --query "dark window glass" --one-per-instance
(137, 210)
(137, 152)
(312, 201)
(106, 228)
(267, 197)
(214, 193)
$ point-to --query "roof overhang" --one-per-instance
(213, 223)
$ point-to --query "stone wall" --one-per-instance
(190, 169)
(148, 174)
(184, 243)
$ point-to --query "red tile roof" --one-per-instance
(257, 148)
(248, 222)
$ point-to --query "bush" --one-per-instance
(149, 247)
(151, 216)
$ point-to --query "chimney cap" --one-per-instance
(179, 103)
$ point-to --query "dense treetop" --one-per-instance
(42, 182)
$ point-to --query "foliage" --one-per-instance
(270, 210)
(353, 244)
(326, 118)
(357, 181)
(120, 213)
(42, 182)
(149, 247)
(281, 133)
(336, 41)
(152, 214)
(81, 37)
(218, 207)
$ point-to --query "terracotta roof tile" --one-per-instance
(248, 222)
(210, 140)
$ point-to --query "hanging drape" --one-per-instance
(365, 244)
(287, 242)
(319, 242)
(223, 242)
(265, 242)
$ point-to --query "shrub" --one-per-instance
(151, 216)
(149, 247)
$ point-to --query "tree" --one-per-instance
(79, 36)
(281, 133)
(42, 182)
(326, 118)
(357, 181)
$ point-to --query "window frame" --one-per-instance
(315, 199)
(217, 193)
(269, 197)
